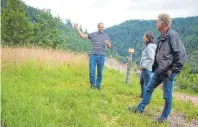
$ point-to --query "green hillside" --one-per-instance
(130, 33)
(25, 25)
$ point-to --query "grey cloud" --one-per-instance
(99, 4)
(158, 5)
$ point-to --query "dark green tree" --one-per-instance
(15, 25)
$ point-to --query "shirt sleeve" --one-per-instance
(179, 53)
(150, 50)
(108, 38)
(90, 35)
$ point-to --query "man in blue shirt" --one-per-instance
(100, 41)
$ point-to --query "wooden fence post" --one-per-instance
(128, 74)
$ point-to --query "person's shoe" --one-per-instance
(161, 120)
(98, 88)
(92, 87)
(134, 109)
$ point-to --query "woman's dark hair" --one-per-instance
(150, 36)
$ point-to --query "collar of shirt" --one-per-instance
(166, 34)
(99, 32)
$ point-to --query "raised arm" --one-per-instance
(82, 35)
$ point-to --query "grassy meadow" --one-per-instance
(46, 88)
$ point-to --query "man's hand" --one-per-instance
(107, 43)
(172, 75)
(76, 26)
(82, 35)
(169, 72)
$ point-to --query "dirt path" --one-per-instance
(185, 97)
(113, 64)
(176, 119)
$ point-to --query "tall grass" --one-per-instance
(44, 92)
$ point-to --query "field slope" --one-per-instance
(51, 88)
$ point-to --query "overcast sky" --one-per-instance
(89, 13)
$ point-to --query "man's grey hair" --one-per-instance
(165, 18)
(100, 23)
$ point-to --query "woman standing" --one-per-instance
(147, 59)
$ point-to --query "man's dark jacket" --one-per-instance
(170, 54)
